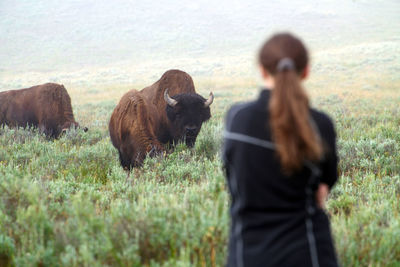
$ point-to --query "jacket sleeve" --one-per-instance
(330, 164)
(227, 144)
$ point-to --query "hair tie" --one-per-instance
(285, 63)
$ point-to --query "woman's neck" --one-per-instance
(269, 83)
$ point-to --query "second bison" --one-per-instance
(164, 113)
(46, 106)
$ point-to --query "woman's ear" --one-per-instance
(306, 72)
(264, 73)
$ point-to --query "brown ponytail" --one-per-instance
(290, 122)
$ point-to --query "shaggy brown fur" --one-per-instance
(140, 125)
(123, 126)
(46, 106)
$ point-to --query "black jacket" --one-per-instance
(275, 220)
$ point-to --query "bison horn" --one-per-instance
(169, 100)
(209, 100)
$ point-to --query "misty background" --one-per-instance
(122, 42)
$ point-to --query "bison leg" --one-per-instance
(135, 153)
(125, 163)
(155, 150)
(48, 131)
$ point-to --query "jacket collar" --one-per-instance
(263, 98)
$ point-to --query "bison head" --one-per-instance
(186, 113)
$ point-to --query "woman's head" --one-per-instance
(284, 59)
(283, 46)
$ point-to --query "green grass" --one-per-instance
(68, 202)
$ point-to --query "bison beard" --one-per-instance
(46, 106)
(145, 120)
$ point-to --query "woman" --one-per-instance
(280, 160)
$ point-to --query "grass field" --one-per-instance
(69, 203)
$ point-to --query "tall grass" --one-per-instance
(68, 202)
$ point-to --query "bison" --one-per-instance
(46, 106)
(166, 112)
